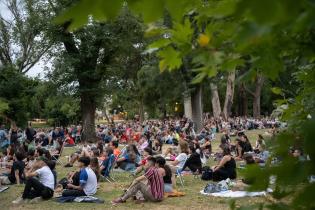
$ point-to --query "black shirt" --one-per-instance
(17, 165)
(30, 133)
(247, 147)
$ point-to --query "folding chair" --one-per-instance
(179, 174)
(57, 159)
(109, 169)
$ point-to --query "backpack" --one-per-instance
(216, 187)
(207, 173)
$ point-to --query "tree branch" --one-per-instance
(248, 90)
(29, 65)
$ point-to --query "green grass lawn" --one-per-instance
(107, 191)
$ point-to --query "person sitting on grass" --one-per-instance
(226, 167)
(30, 159)
(147, 152)
(180, 160)
(263, 155)
(86, 151)
(95, 166)
(245, 143)
(166, 172)
(16, 175)
(41, 188)
(239, 150)
(171, 152)
(114, 146)
(193, 162)
(88, 181)
(153, 190)
(107, 162)
(259, 143)
(130, 160)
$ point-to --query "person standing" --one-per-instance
(30, 133)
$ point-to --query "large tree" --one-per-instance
(90, 60)
(24, 34)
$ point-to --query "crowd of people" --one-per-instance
(155, 152)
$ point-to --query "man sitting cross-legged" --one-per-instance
(88, 181)
(152, 191)
(43, 187)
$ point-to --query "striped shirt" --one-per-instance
(156, 183)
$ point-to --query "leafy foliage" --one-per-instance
(272, 38)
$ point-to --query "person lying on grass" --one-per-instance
(41, 188)
(151, 185)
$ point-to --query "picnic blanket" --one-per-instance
(80, 199)
(235, 194)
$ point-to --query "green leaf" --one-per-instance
(159, 43)
(276, 90)
(4, 106)
(170, 59)
(150, 10)
(178, 9)
(231, 64)
(199, 78)
(182, 33)
(100, 10)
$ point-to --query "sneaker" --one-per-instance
(36, 200)
(18, 201)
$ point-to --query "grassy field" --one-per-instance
(107, 191)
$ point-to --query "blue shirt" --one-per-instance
(3, 135)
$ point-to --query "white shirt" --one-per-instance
(181, 158)
(88, 181)
(46, 177)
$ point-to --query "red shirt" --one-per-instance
(156, 183)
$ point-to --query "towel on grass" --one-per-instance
(235, 194)
(80, 199)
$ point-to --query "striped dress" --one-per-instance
(156, 183)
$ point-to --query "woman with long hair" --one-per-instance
(166, 172)
(226, 167)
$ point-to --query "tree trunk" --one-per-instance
(229, 95)
(197, 109)
(256, 102)
(187, 106)
(242, 106)
(88, 107)
(216, 106)
(106, 116)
